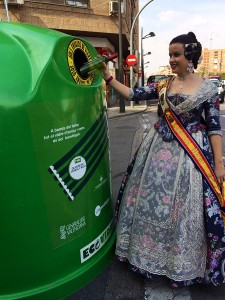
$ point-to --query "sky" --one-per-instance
(169, 18)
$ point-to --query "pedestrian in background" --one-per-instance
(170, 205)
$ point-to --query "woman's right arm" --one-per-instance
(115, 84)
(143, 93)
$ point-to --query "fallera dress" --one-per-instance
(168, 220)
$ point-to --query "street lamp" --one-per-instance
(7, 10)
(131, 42)
(150, 34)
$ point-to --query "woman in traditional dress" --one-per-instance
(170, 203)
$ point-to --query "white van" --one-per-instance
(219, 85)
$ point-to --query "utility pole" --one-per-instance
(121, 76)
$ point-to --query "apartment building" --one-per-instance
(96, 21)
(213, 62)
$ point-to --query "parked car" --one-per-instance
(221, 90)
(223, 83)
(155, 78)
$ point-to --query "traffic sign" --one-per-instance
(131, 60)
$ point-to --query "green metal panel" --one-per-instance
(56, 219)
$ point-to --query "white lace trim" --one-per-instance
(199, 273)
(131, 95)
(219, 132)
(206, 90)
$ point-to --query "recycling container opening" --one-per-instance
(79, 60)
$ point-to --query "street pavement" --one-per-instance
(114, 112)
(126, 130)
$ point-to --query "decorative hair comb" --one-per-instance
(190, 48)
(191, 44)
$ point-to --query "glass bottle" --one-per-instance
(96, 63)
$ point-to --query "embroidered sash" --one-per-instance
(192, 149)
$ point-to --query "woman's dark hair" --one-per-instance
(192, 48)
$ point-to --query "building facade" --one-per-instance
(213, 62)
(95, 21)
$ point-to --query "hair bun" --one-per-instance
(192, 36)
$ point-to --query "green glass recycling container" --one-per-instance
(56, 217)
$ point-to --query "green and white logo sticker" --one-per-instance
(89, 250)
(77, 167)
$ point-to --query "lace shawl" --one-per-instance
(206, 91)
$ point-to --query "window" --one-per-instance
(82, 3)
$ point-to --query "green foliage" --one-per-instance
(222, 76)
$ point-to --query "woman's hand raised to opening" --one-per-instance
(105, 71)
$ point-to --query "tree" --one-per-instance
(202, 71)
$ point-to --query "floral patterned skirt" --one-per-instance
(169, 221)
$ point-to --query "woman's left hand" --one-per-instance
(220, 173)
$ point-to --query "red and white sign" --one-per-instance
(131, 60)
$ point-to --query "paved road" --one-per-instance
(117, 282)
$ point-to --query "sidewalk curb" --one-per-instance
(121, 115)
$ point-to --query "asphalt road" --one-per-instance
(117, 281)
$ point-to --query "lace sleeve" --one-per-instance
(212, 116)
(142, 93)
